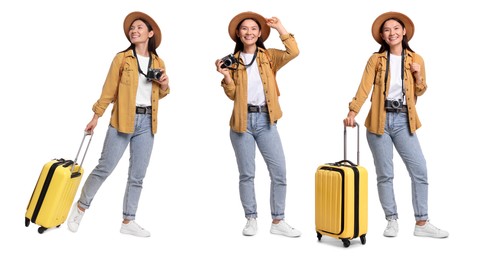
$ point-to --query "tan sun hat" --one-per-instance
(131, 17)
(409, 25)
(265, 29)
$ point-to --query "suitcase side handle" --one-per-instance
(85, 134)
(345, 144)
(343, 162)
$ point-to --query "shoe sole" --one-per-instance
(283, 234)
(418, 234)
(390, 234)
(133, 234)
(247, 233)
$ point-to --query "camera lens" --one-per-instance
(157, 75)
(395, 104)
(154, 74)
(227, 62)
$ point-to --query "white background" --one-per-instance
(56, 54)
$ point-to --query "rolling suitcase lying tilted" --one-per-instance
(341, 199)
(54, 192)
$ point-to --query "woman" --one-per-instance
(398, 74)
(134, 88)
(250, 83)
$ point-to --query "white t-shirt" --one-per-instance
(144, 91)
(395, 92)
(255, 87)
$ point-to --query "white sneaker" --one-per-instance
(250, 228)
(392, 228)
(74, 218)
(132, 228)
(429, 230)
(283, 228)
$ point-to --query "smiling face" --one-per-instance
(392, 32)
(139, 33)
(249, 32)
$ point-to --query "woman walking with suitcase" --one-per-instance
(135, 82)
(398, 74)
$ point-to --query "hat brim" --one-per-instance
(131, 17)
(409, 25)
(264, 28)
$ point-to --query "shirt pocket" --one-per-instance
(237, 77)
(264, 67)
(407, 71)
(126, 74)
(380, 71)
(266, 73)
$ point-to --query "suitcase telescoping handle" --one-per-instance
(85, 134)
(345, 144)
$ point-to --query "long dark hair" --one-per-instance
(384, 46)
(239, 43)
(151, 46)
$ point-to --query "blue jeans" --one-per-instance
(141, 144)
(261, 133)
(397, 133)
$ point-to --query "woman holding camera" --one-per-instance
(249, 80)
(398, 76)
(135, 82)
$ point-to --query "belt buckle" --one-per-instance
(141, 110)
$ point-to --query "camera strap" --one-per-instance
(252, 60)
(138, 64)
(401, 74)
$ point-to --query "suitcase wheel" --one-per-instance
(363, 239)
(41, 230)
(346, 242)
(319, 236)
(26, 221)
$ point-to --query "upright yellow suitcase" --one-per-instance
(54, 192)
(341, 199)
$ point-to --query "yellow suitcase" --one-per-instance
(341, 199)
(54, 192)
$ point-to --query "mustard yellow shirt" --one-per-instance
(269, 62)
(374, 76)
(121, 86)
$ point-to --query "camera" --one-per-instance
(154, 74)
(393, 104)
(228, 61)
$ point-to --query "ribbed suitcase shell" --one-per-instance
(53, 194)
(341, 200)
(55, 190)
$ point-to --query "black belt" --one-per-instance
(143, 110)
(257, 109)
(402, 109)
